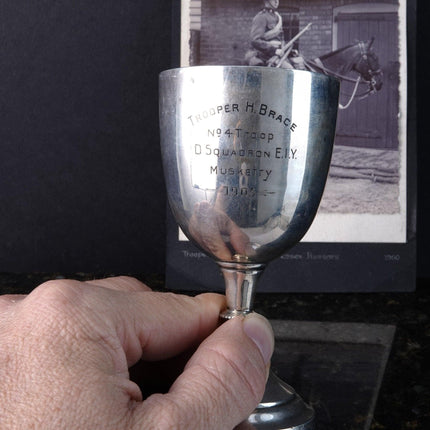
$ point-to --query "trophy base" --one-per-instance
(281, 409)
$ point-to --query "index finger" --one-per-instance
(131, 324)
(168, 324)
(120, 283)
(157, 326)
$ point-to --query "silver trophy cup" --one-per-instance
(246, 153)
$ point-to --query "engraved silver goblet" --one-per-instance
(246, 152)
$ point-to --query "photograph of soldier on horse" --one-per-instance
(268, 47)
(350, 41)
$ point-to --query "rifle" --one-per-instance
(277, 60)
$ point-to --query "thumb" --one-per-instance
(223, 381)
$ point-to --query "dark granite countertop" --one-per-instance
(404, 398)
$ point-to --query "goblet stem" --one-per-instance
(240, 285)
(281, 407)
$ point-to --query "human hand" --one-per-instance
(275, 43)
(66, 349)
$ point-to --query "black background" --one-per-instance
(423, 134)
(81, 186)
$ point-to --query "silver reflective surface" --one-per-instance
(246, 152)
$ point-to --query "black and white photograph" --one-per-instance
(363, 44)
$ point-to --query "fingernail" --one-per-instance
(260, 331)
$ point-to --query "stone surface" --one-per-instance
(404, 397)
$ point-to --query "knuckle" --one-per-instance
(47, 322)
(54, 299)
(57, 291)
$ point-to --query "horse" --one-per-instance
(359, 58)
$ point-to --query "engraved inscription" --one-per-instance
(237, 146)
(230, 171)
(241, 133)
(264, 110)
(236, 191)
(278, 152)
(249, 107)
(201, 116)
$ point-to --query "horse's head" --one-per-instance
(367, 65)
(359, 58)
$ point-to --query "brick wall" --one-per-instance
(225, 30)
(318, 39)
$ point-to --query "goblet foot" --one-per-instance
(281, 409)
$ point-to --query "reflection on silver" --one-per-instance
(246, 153)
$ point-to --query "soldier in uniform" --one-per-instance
(267, 37)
